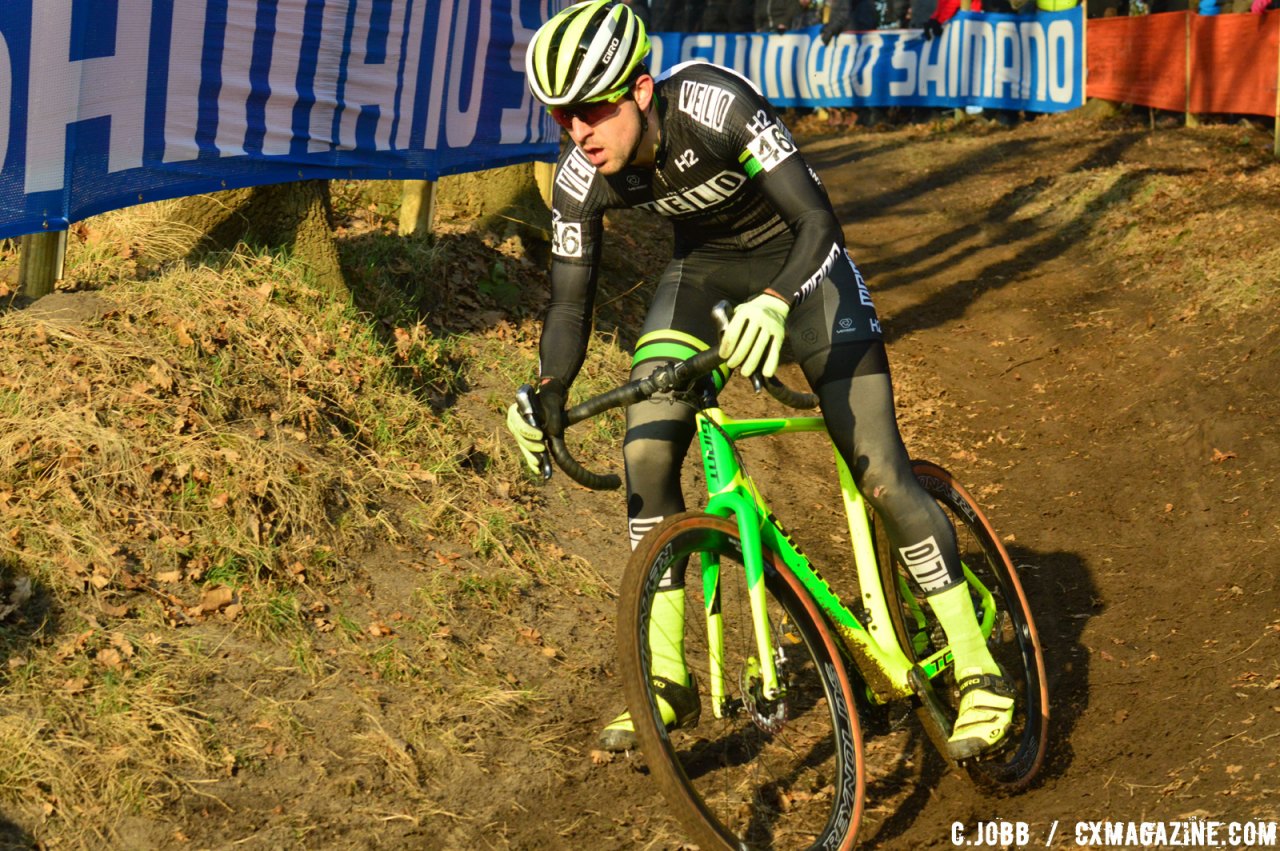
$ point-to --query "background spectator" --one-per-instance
(728, 16)
(908, 13)
(775, 16)
(810, 13)
(641, 8)
(678, 16)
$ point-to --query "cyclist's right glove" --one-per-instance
(531, 439)
(754, 336)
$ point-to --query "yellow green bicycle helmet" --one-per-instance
(587, 52)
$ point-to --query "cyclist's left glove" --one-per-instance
(530, 438)
(754, 336)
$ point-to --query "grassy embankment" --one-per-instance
(211, 456)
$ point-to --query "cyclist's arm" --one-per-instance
(566, 325)
(799, 199)
(778, 171)
(578, 201)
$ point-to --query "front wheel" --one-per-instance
(1001, 608)
(752, 770)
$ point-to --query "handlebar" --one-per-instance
(675, 376)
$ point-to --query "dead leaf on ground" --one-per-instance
(109, 657)
(215, 598)
(113, 611)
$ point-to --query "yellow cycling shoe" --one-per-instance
(680, 706)
(986, 711)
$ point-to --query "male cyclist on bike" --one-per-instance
(753, 225)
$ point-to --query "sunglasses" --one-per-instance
(589, 114)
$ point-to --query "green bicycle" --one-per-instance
(771, 755)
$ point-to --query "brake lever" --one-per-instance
(722, 313)
(524, 404)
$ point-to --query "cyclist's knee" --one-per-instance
(884, 479)
(645, 455)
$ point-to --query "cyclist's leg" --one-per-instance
(851, 376)
(659, 432)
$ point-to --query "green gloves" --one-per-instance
(549, 403)
(756, 332)
(529, 438)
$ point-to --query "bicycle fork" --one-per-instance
(764, 670)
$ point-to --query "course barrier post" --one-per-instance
(1275, 149)
(417, 206)
(41, 262)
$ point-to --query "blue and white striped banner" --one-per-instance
(106, 103)
(1019, 62)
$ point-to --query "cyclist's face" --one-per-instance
(610, 135)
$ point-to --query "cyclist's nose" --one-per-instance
(579, 130)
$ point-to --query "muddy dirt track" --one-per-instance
(1082, 323)
(1081, 318)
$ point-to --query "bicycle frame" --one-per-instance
(870, 640)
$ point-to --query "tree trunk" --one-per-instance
(286, 215)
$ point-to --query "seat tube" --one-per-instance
(873, 595)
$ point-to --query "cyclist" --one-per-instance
(753, 225)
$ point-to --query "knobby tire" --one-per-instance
(731, 782)
(1012, 765)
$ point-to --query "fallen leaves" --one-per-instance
(212, 600)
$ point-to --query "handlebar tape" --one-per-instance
(674, 376)
(790, 398)
(579, 473)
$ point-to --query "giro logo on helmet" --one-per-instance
(608, 54)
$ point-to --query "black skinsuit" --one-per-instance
(747, 214)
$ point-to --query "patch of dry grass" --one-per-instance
(218, 447)
(202, 420)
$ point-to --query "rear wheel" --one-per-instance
(1005, 614)
(751, 771)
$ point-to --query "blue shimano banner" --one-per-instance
(1019, 62)
(107, 103)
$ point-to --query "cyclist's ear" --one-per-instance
(642, 91)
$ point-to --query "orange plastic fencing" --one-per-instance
(1143, 60)
(1234, 63)
(1139, 60)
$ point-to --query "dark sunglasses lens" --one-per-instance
(588, 113)
(563, 116)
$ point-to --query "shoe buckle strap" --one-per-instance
(993, 683)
